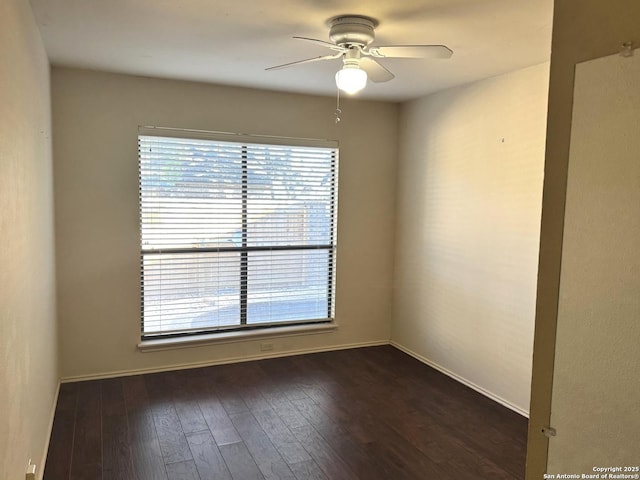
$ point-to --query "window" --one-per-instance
(237, 232)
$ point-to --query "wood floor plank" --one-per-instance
(240, 462)
(317, 417)
(372, 429)
(284, 408)
(205, 386)
(145, 449)
(173, 443)
(86, 463)
(265, 454)
(308, 470)
(207, 457)
(184, 392)
(61, 442)
(326, 458)
(291, 450)
(355, 453)
(287, 383)
(249, 381)
(218, 421)
(223, 383)
(408, 463)
(117, 461)
(182, 471)
(86, 471)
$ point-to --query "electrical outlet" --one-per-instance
(31, 471)
(266, 347)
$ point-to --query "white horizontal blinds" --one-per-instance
(190, 192)
(290, 193)
(235, 234)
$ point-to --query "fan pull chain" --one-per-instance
(338, 111)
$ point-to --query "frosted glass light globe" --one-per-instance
(351, 79)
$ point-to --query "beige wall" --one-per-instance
(582, 30)
(95, 118)
(470, 187)
(28, 364)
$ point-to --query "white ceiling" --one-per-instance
(232, 42)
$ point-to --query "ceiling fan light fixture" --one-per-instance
(351, 38)
(351, 79)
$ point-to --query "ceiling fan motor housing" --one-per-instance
(352, 30)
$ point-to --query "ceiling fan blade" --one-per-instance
(308, 60)
(332, 46)
(376, 72)
(411, 51)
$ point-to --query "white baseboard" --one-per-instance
(43, 459)
(186, 366)
(462, 380)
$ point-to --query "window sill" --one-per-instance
(233, 337)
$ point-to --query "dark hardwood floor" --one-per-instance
(369, 413)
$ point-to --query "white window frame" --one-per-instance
(315, 325)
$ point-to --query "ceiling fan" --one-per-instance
(351, 38)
